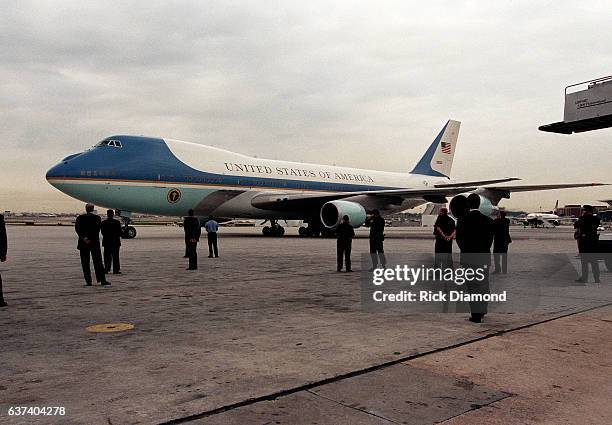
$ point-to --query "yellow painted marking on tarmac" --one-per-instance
(110, 327)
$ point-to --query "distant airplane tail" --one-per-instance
(438, 160)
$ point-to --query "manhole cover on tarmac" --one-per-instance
(110, 327)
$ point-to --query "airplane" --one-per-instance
(536, 219)
(168, 177)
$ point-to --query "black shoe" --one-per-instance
(216, 256)
(106, 271)
(475, 319)
(349, 271)
(3, 304)
(185, 256)
(105, 283)
(580, 280)
(88, 284)
(191, 268)
(338, 270)
(210, 256)
(117, 273)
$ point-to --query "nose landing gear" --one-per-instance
(127, 231)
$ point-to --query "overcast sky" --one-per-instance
(364, 84)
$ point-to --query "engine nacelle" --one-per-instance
(333, 211)
(458, 205)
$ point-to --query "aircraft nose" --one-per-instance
(55, 172)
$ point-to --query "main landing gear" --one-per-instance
(127, 231)
(274, 229)
(315, 229)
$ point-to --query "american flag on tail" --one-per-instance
(445, 147)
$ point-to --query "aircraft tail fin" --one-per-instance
(438, 159)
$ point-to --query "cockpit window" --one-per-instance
(111, 143)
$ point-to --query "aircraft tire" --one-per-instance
(129, 232)
(303, 231)
(267, 231)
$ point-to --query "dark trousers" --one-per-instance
(111, 256)
(501, 262)
(93, 251)
(377, 252)
(587, 258)
(192, 253)
(1, 293)
(343, 251)
(212, 244)
(478, 308)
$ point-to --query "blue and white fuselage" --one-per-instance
(169, 177)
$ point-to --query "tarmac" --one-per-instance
(271, 333)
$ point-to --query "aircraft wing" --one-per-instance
(535, 187)
(298, 201)
(477, 182)
(280, 201)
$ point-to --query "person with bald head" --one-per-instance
(87, 227)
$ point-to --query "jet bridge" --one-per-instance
(586, 109)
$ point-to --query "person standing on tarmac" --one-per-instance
(111, 241)
(87, 227)
(193, 231)
(3, 251)
(501, 229)
(474, 237)
(212, 228)
(444, 231)
(586, 232)
(345, 234)
(377, 237)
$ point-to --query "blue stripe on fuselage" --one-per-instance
(148, 159)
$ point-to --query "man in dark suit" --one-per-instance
(87, 227)
(111, 241)
(3, 250)
(193, 231)
(588, 239)
(345, 234)
(501, 229)
(474, 237)
(377, 237)
(444, 231)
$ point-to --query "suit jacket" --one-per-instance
(345, 233)
(111, 232)
(3, 240)
(587, 233)
(501, 229)
(192, 228)
(475, 236)
(88, 226)
(377, 228)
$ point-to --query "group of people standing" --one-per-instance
(88, 227)
(498, 230)
(193, 232)
(345, 234)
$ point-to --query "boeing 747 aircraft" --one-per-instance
(169, 177)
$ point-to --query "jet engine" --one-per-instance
(458, 205)
(333, 211)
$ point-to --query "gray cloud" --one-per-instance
(356, 83)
